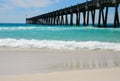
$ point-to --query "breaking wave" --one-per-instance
(57, 28)
(16, 28)
(54, 44)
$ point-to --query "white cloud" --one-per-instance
(27, 3)
(31, 3)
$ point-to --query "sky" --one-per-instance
(16, 11)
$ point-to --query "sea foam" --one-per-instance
(16, 28)
(56, 28)
(54, 44)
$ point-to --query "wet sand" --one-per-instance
(18, 64)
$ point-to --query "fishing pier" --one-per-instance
(87, 9)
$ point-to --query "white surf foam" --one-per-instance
(53, 44)
(41, 28)
(56, 28)
(16, 28)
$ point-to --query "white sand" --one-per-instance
(84, 75)
(24, 65)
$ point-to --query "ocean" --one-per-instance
(59, 37)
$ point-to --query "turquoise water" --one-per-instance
(81, 34)
(67, 33)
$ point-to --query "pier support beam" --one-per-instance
(54, 20)
(84, 18)
(51, 20)
(66, 19)
(101, 14)
(103, 18)
(106, 17)
(48, 20)
(62, 20)
(77, 19)
(57, 20)
(45, 21)
(87, 18)
(116, 17)
(93, 16)
(71, 19)
(99, 19)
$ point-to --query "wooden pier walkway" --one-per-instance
(87, 9)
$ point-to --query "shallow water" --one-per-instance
(59, 37)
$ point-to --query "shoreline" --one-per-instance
(61, 51)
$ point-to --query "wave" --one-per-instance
(17, 28)
(53, 44)
(40, 28)
(57, 28)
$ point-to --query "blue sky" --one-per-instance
(15, 11)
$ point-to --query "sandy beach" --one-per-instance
(84, 75)
(18, 64)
